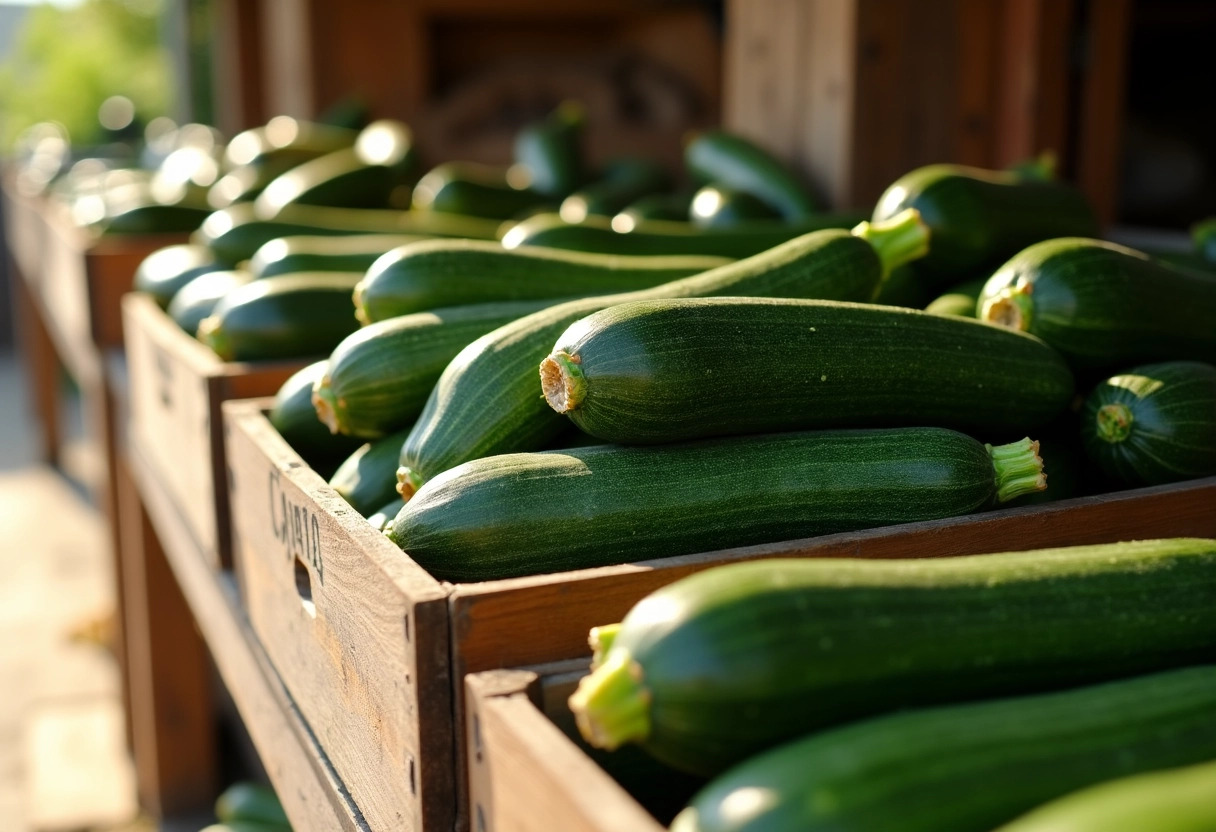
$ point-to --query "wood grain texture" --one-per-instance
(357, 631)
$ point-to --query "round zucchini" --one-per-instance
(1103, 305)
(367, 479)
(356, 253)
(163, 272)
(502, 516)
(733, 161)
(966, 768)
(294, 417)
(810, 643)
(197, 299)
(1153, 424)
(438, 273)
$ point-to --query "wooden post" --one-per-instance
(237, 74)
(43, 370)
(1097, 166)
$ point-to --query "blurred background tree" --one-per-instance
(67, 60)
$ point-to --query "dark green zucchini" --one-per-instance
(439, 273)
(979, 217)
(284, 142)
(1204, 236)
(717, 206)
(1102, 305)
(597, 234)
(719, 156)
(622, 182)
(669, 370)
(817, 642)
(153, 218)
(960, 301)
(474, 190)
(493, 518)
(198, 298)
(293, 316)
(383, 516)
(379, 377)
(246, 802)
(654, 207)
(487, 400)
(1174, 800)
(549, 153)
(1153, 424)
(966, 768)
(356, 253)
(163, 272)
(368, 478)
(294, 417)
(902, 288)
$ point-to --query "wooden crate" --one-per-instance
(373, 649)
(177, 386)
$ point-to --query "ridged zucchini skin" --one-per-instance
(966, 768)
(596, 234)
(294, 417)
(1174, 800)
(669, 370)
(551, 151)
(367, 479)
(163, 272)
(473, 190)
(197, 299)
(815, 642)
(293, 316)
(1103, 305)
(960, 301)
(438, 273)
(487, 401)
(720, 206)
(719, 156)
(1153, 424)
(981, 217)
(356, 253)
(623, 181)
(494, 517)
(380, 376)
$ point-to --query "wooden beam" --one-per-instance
(1103, 96)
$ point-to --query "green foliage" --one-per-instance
(66, 61)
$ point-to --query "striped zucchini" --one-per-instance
(966, 768)
(439, 273)
(487, 400)
(1153, 424)
(294, 417)
(494, 517)
(368, 478)
(811, 643)
(669, 370)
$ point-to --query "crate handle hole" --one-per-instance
(477, 736)
(413, 779)
(304, 587)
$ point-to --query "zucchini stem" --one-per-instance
(898, 240)
(600, 640)
(1018, 467)
(326, 404)
(211, 333)
(408, 482)
(612, 706)
(1012, 308)
(1114, 422)
(563, 381)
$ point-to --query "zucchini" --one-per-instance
(719, 206)
(901, 288)
(959, 301)
(379, 376)
(438, 273)
(816, 642)
(1204, 236)
(549, 153)
(965, 768)
(653, 207)
(356, 253)
(662, 370)
(293, 316)
(1174, 800)
(1153, 424)
(597, 234)
(154, 218)
(494, 517)
(284, 142)
(623, 181)
(719, 156)
(198, 298)
(979, 217)
(163, 272)
(1102, 305)
(294, 417)
(384, 515)
(250, 802)
(486, 401)
(473, 190)
(368, 478)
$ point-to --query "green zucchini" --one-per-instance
(368, 478)
(816, 642)
(250, 802)
(474, 190)
(384, 515)
(718, 206)
(719, 156)
(163, 272)
(960, 301)
(293, 316)
(284, 142)
(669, 370)
(356, 253)
(1102, 305)
(623, 181)
(198, 298)
(487, 400)
(1174, 800)
(597, 234)
(1204, 236)
(979, 217)
(154, 218)
(294, 417)
(549, 153)
(965, 768)
(1153, 424)
(379, 376)
(494, 517)
(902, 288)
(653, 207)
(454, 272)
